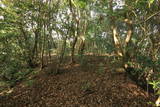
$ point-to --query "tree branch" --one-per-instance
(148, 18)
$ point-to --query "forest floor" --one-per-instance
(91, 84)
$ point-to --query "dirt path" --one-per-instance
(94, 84)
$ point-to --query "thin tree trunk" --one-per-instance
(62, 52)
(43, 46)
(127, 40)
(73, 49)
(117, 44)
(119, 50)
(75, 31)
(82, 37)
(28, 53)
(49, 51)
(34, 51)
(82, 46)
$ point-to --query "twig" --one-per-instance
(149, 18)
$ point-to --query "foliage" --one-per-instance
(101, 69)
(30, 83)
(86, 86)
(32, 31)
(156, 86)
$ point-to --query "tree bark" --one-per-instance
(117, 43)
(73, 49)
(127, 40)
(82, 46)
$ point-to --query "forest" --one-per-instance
(79, 53)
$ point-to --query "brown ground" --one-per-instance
(79, 86)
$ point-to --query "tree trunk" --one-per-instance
(127, 41)
(73, 49)
(62, 52)
(43, 46)
(28, 52)
(34, 51)
(117, 44)
(81, 47)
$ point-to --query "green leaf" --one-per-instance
(150, 2)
